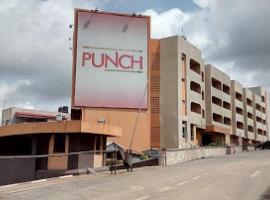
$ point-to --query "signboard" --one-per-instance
(111, 60)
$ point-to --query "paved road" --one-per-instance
(244, 176)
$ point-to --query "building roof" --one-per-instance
(75, 126)
(34, 115)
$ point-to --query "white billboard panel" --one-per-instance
(111, 61)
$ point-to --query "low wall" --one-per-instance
(174, 156)
(17, 170)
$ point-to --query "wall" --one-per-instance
(154, 51)
(58, 162)
(123, 120)
(16, 170)
(170, 102)
(213, 126)
(184, 155)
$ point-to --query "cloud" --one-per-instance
(233, 35)
(164, 24)
(35, 46)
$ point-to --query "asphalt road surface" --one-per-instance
(242, 176)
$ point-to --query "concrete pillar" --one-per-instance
(34, 145)
(66, 143)
(240, 141)
(51, 144)
(227, 140)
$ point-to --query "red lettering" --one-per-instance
(125, 61)
(121, 63)
(140, 61)
(85, 56)
(114, 61)
(101, 64)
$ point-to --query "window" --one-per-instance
(250, 116)
(184, 129)
(59, 143)
(250, 129)
(216, 84)
(202, 77)
(263, 99)
(226, 89)
(217, 101)
(249, 102)
(263, 109)
(264, 122)
(195, 108)
(217, 118)
(259, 131)
(202, 95)
(195, 66)
(258, 107)
(258, 119)
(226, 105)
(238, 96)
(191, 131)
(239, 111)
(183, 57)
(240, 125)
(203, 114)
(227, 121)
(195, 87)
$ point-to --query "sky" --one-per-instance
(35, 45)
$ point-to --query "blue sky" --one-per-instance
(142, 5)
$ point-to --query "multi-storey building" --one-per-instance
(261, 101)
(218, 107)
(182, 93)
(249, 117)
(238, 127)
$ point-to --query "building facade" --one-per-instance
(238, 125)
(218, 107)
(182, 93)
(261, 113)
(19, 115)
(249, 113)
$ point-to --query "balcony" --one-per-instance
(217, 118)
(217, 101)
(226, 105)
(249, 102)
(196, 87)
(239, 96)
(196, 108)
(217, 84)
(239, 111)
(226, 89)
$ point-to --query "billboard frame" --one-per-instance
(74, 56)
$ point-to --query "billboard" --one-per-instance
(110, 60)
